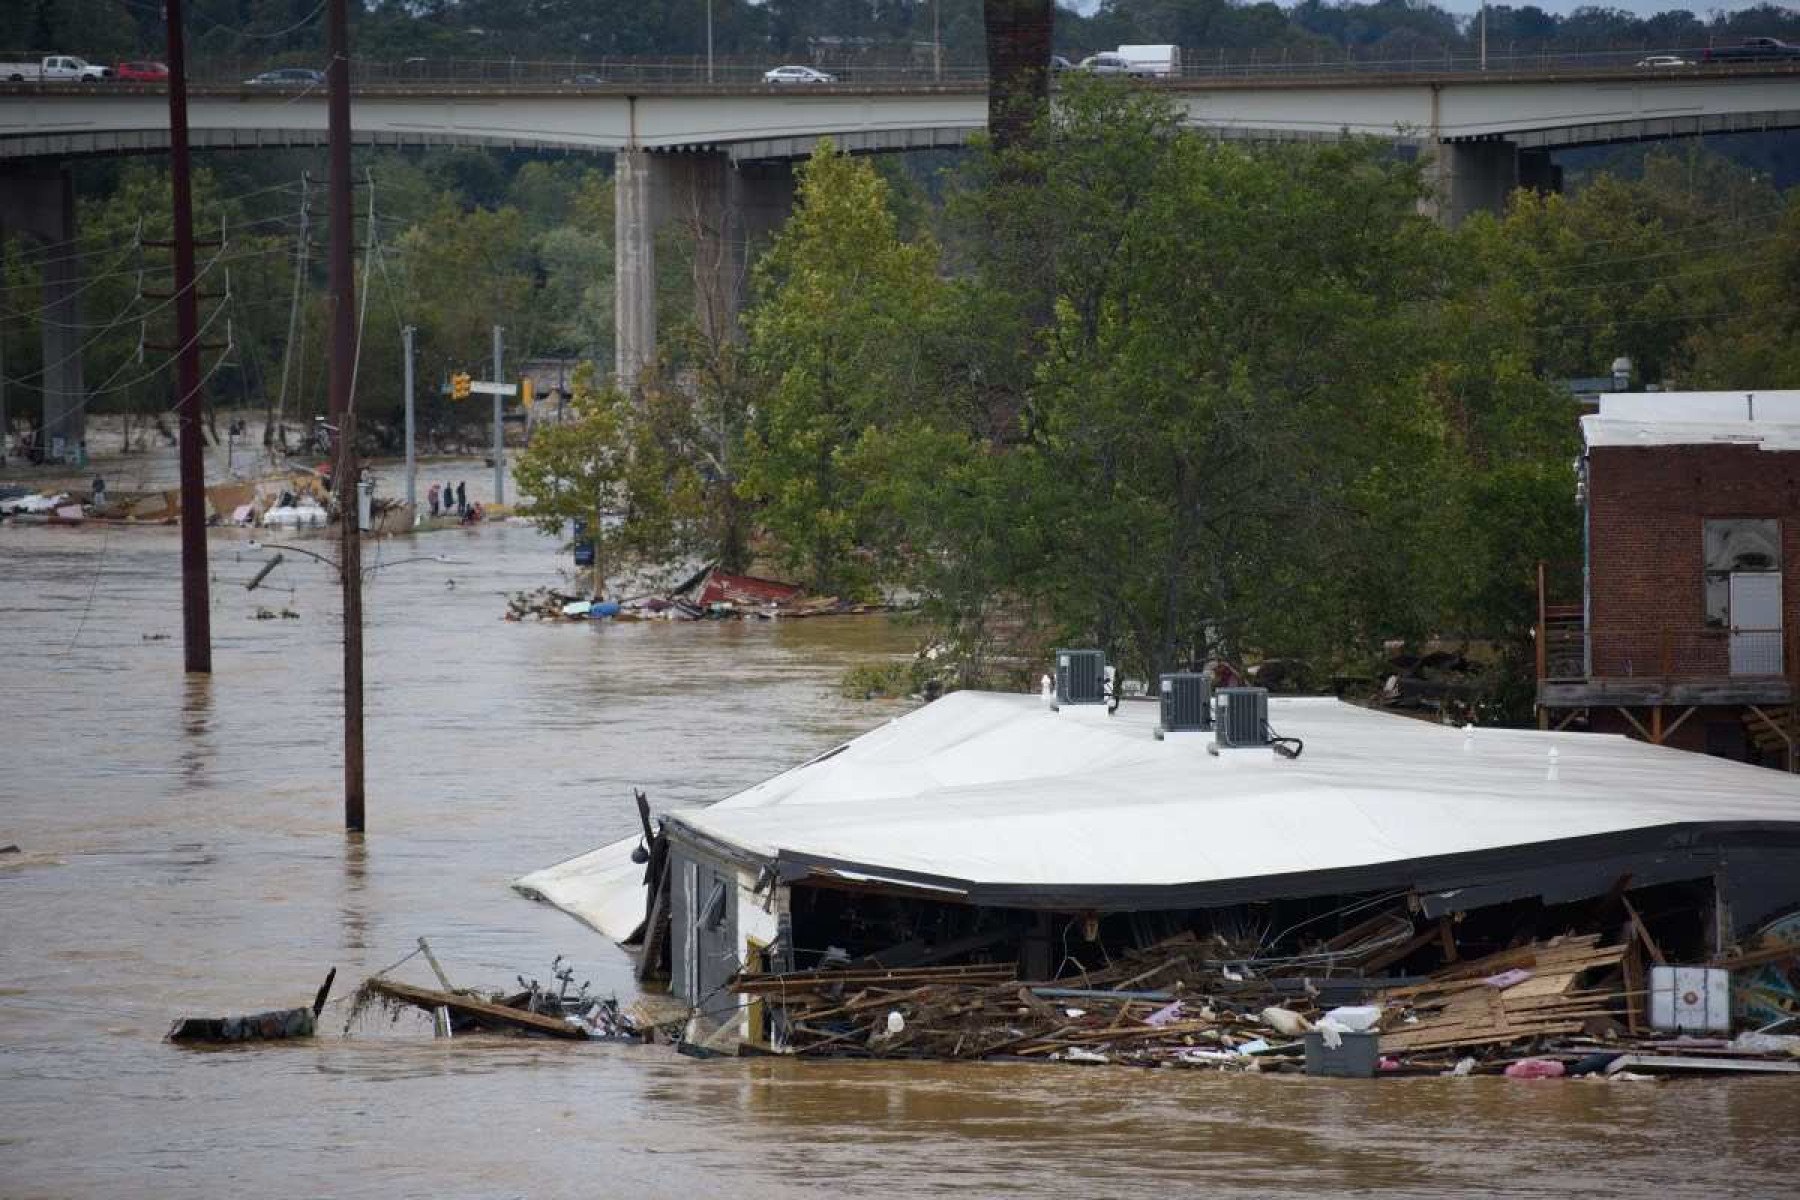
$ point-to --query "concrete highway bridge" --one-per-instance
(719, 157)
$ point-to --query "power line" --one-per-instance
(130, 383)
(233, 30)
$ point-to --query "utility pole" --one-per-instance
(1484, 35)
(196, 605)
(499, 441)
(344, 478)
(6, 425)
(412, 467)
(709, 56)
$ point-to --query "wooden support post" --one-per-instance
(1635, 723)
(1643, 932)
(1786, 738)
(1656, 725)
(1633, 969)
(1447, 938)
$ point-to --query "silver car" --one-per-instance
(294, 77)
(797, 75)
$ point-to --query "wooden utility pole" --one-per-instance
(345, 475)
(196, 604)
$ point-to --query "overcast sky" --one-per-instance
(1641, 7)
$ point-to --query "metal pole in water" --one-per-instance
(344, 478)
(412, 466)
(499, 441)
(196, 605)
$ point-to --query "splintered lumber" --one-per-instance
(481, 1012)
(1758, 958)
(1458, 1008)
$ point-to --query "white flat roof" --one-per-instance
(1769, 420)
(981, 793)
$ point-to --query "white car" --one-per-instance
(1105, 63)
(1664, 60)
(797, 75)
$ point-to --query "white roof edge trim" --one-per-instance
(892, 881)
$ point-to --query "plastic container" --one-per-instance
(1354, 1058)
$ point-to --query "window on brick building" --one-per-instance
(1738, 545)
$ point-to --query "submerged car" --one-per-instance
(797, 75)
(288, 77)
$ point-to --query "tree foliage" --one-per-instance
(839, 339)
(621, 466)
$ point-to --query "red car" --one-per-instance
(141, 72)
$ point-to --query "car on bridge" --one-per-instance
(1664, 60)
(1756, 49)
(794, 74)
(53, 68)
(288, 77)
(141, 72)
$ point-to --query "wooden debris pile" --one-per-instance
(1181, 1002)
(1532, 992)
(544, 604)
(1570, 1001)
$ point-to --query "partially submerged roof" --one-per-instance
(997, 799)
(1769, 420)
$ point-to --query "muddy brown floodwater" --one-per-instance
(182, 854)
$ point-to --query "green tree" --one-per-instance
(1228, 378)
(836, 339)
(617, 466)
(462, 274)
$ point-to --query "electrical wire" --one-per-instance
(234, 31)
(114, 323)
(242, 256)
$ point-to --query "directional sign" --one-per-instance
(482, 387)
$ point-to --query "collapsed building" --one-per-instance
(1056, 836)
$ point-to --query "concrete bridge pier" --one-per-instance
(38, 200)
(726, 211)
(1479, 176)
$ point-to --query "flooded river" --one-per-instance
(183, 854)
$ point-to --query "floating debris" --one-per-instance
(276, 1025)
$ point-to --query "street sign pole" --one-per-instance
(499, 441)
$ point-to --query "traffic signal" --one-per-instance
(459, 385)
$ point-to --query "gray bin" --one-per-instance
(1354, 1059)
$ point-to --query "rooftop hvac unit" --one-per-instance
(1186, 703)
(1081, 677)
(1241, 717)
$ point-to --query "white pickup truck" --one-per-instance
(52, 68)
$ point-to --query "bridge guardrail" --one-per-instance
(1198, 66)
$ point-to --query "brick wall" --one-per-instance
(1646, 506)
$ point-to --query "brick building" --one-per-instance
(1680, 626)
